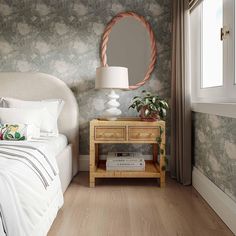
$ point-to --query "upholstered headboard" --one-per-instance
(38, 86)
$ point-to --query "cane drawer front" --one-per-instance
(143, 133)
(110, 133)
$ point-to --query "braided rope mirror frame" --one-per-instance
(105, 39)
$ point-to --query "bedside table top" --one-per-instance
(127, 121)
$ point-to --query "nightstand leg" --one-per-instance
(96, 154)
(162, 182)
(92, 182)
(92, 164)
(162, 171)
(155, 152)
(162, 161)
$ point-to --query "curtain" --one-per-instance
(180, 165)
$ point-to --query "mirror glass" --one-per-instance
(129, 46)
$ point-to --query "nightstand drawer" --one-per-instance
(110, 133)
(143, 133)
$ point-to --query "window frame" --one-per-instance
(226, 92)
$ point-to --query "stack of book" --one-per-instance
(125, 161)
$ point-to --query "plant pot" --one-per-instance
(151, 117)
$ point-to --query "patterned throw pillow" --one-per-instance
(15, 132)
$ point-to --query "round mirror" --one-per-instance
(128, 41)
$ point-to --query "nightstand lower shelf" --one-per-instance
(152, 170)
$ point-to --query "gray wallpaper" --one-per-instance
(62, 37)
(215, 150)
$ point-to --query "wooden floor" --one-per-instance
(134, 207)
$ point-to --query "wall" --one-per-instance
(215, 150)
(62, 37)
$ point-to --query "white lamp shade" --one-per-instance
(112, 77)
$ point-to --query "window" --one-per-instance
(212, 36)
(212, 45)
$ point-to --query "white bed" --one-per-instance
(38, 86)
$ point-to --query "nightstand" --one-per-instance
(127, 130)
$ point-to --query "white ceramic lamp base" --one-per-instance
(112, 111)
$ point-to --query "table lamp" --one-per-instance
(112, 77)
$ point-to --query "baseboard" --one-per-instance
(221, 203)
(84, 161)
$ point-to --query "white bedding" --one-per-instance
(29, 197)
(54, 144)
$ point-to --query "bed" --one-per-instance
(39, 86)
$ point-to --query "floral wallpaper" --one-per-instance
(215, 150)
(62, 38)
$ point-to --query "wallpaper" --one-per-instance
(62, 37)
(215, 150)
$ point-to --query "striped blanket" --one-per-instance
(26, 176)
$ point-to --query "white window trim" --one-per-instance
(225, 94)
(220, 109)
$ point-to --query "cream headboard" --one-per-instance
(38, 86)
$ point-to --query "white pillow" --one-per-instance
(32, 132)
(22, 116)
(49, 117)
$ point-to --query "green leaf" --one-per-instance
(131, 106)
(153, 107)
(139, 107)
(161, 130)
(164, 104)
(17, 135)
(9, 136)
(147, 101)
(159, 139)
(163, 112)
(136, 99)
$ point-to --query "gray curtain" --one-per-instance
(181, 166)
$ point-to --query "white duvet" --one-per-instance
(30, 189)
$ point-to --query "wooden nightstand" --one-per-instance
(127, 130)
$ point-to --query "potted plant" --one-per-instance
(150, 107)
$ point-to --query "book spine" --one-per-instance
(111, 168)
(125, 164)
(124, 158)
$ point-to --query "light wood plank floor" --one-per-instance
(134, 207)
